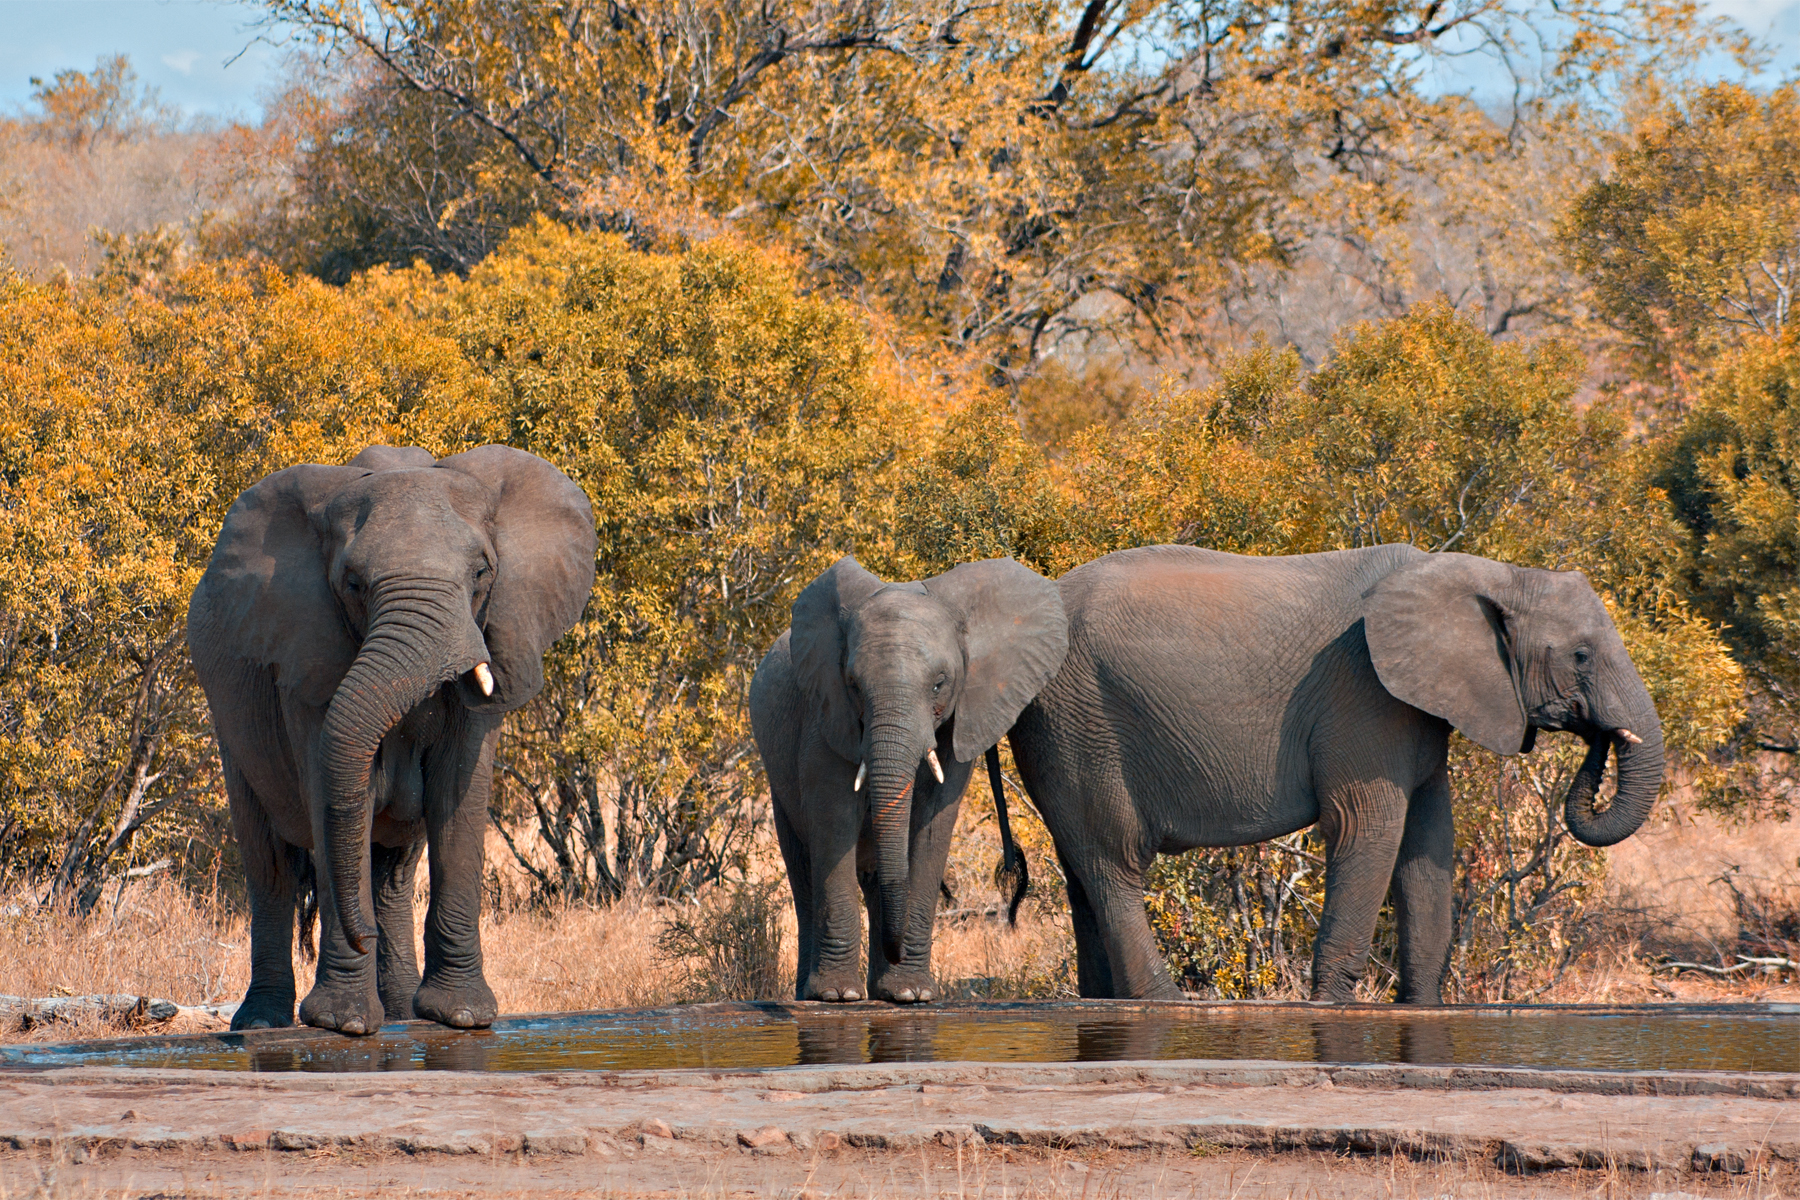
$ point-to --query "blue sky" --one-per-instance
(182, 46)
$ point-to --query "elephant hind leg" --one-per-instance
(1362, 824)
(272, 882)
(1093, 972)
(1423, 878)
(396, 956)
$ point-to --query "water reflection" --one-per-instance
(1741, 1038)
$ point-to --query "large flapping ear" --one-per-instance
(1438, 636)
(1014, 638)
(543, 531)
(816, 644)
(265, 597)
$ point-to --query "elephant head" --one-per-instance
(369, 587)
(1501, 652)
(884, 666)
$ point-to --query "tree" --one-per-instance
(1007, 178)
(735, 437)
(1693, 243)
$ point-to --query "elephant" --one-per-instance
(1213, 699)
(869, 713)
(359, 632)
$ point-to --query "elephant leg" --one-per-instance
(269, 877)
(1093, 973)
(1135, 961)
(396, 961)
(1362, 824)
(344, 995)
(459, 776)
(840, 843)
(798, 861)
(1423, 878)
(909, 981)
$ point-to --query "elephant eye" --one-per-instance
(1582, 656)
(352, 582)
(483, 571)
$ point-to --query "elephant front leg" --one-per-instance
(910, 981)
(459, 776)
(344, 995)
(396, 960)
(798, 860)
(1362, 825)
(1423, 878)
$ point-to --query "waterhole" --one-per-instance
(1747, 1037)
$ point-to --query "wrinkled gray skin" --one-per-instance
(879, 675)
(337, 633)
(1211, 699)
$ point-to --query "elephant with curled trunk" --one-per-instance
(360, 631)
(869, 713)
(1212, 699)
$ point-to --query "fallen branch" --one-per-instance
(119, 1008)
(1744, 963)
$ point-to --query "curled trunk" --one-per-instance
(391, 676)
(1640, 779)
(893, 768)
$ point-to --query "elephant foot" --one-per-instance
(346, 1009)
(904, 987)
(468, 1006)
(264, 1012)
(832, 991)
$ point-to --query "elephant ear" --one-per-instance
(816, 646)
(1015, 635)
(265, 598)
(1438, 635)
(543, 531)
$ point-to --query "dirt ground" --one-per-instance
(927, 1173)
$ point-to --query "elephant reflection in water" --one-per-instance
(1425, 1042)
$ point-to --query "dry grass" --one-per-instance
(155, 938)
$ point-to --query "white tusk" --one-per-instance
(485, 678)
(931, 757)
(1629, 736)
(862, 769)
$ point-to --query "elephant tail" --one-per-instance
(306, 898)
(1011, 875)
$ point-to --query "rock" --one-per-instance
(770, 1139)
(1716, 1156)
(655, 1127)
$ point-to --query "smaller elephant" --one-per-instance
(869, 713)
(1212, 699)
(359, 632)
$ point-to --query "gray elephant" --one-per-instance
(359, 632)
(1213, 699)
(869, 713)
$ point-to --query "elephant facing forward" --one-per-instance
(1212, 699)
(869, 713)
(359, 632)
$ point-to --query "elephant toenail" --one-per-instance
(462, 1018)
(259, 1023)
(852, 994)
(353, 1026)
(925, 996)
(905, 996)
(829, 995)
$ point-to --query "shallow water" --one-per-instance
(725, 1036)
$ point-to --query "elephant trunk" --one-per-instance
(1640, 779)
(893, 764)
(411, 649)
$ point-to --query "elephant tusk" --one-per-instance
(936, 769)
(862, 770)
(1629, 736)
(485, 678)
